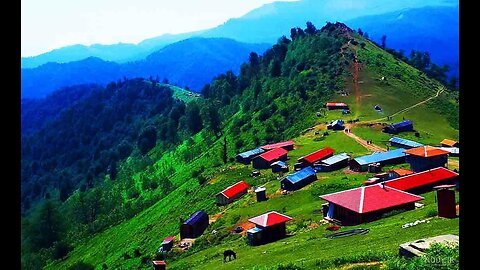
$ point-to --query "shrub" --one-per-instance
(431, 213)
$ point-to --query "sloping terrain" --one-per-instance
(277, 97)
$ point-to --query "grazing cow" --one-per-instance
(228, 253)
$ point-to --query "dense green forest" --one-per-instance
(91, 163)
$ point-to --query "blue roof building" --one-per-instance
(298, 179)
(405, 125)
(396, 156)
(195, 225)
(246, 157)
(279, 166)
(403, 143)
(336, 125)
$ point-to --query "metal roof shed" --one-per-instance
(298, 179)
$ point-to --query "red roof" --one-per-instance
(421, 179)
(269, 219)
(336, 104)
(159, 263)
(273, 154)
(449, 142)
(426, 151)
(370, 198)
(235, 189)
(277, 145)
(168, 239)
(402, 172)
(318, 155)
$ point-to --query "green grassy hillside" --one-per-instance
(281, 104)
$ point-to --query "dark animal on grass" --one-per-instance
(229, 253)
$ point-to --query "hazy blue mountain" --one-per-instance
(264, 24)
(270, 21)
(192, 62)
(115, 52)
(432, 29)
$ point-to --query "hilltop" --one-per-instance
(276, 96)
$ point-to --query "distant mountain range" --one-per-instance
(429, 25)
(262, 25)
(192, 62)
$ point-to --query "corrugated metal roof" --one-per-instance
(370, 198)
(336, 104)
(270, 219)
(382, 156)
(273, 154)
(335, 159)
(195, 217)
(421, 179)
(300, 175)
(402, 124)
(277, 145)
(279, 163)
(448, 142)
(405, 142)
(426, 151)
(317, 155)
(252, 152)
(401, 172)
(235, 189)
(337, 122)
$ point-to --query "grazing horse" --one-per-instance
(228, 253)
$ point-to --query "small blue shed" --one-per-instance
(246, 157)
(298, 179)
(405, 125)
(403, 143)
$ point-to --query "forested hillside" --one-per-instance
(137, 161)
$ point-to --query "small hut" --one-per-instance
(311, 159)
(167, 243)
(232, 193)
(269, 227)
(360, 164)
(403, 143)
(449, 143)
(298, 179)
(336, 106)
(261, 194)
(159, 265)
(279, 166)
(336, 125)
(446, 201)
(332, 163)
(195, 225)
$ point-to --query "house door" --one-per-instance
(330, 210)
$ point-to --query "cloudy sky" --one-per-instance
(50, 24)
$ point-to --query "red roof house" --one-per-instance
(269, 227)
(232, 193)
(159, 265)
(423, 181)
(264, 160)
(287, 145)
(316, 156)
(336, 105)
(426, 157)
(363, 204)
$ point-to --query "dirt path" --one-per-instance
(441, 89)
(372, 147)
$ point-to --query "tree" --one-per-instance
(193, 118)
(46, 226)
(147, 139)
(211, 117)
(224, 152)
(311, 29)
(360, 32)
(384, 41)
(254, 64)
(275, 68)
(365, 35)
(293, 33)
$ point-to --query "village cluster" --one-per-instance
(395, 189)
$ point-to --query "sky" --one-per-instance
(50, 24)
